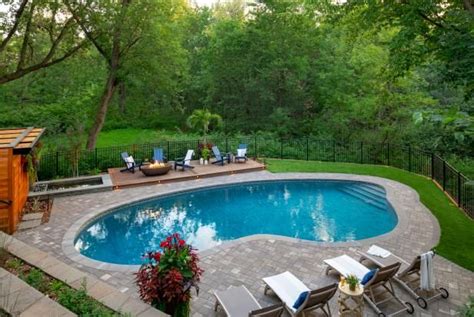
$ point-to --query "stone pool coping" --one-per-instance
(403, 199)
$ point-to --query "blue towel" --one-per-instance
(300, 300)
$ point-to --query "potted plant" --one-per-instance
(353, 282)
(166, 279)
(205, 153)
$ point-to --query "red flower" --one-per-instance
(157, 256)
(165, 286)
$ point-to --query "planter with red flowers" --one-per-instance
(166, 279)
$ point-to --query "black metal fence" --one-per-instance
(457, 186)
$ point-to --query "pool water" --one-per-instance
(312, 210)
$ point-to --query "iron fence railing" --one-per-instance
(459, 188)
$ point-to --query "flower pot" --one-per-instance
(206, 162)
(352, 287)
(201, 161)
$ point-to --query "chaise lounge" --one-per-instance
(239, 302)
(378, 288)
(409, 276)
(297, 297)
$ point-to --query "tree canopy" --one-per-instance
(369, 71)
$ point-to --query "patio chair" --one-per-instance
(220, 159)
(184, 162)
(239, 302)
(378, 288)
(409, 276)
(130, 163)
(297, 297)
(241, 153)
(158, 155)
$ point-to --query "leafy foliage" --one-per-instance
(166, 280)
(396, 72)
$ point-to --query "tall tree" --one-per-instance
(114, 28)
(35, 34)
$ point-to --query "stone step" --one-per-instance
(24, 225)
(32, 216)
(365, 197)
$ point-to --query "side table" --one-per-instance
(351, 303)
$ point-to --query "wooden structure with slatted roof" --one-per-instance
(15, 144)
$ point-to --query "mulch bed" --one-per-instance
(36, 205)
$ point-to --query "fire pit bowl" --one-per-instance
(155, 169)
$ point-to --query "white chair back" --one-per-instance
(189, 156)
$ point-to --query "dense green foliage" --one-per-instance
(75, 300)
(354, 72)
(456, 228)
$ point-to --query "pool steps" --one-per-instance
(369, 194)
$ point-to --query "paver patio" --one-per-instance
(248, 260)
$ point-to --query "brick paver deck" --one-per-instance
(247, 260)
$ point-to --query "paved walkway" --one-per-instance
(247, 260)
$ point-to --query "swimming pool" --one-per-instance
(325, 211)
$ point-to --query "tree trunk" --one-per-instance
(122, 97)
(102, 111)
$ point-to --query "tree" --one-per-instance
(427, 29)
(202, 119)
(114, 28)
(35, 34)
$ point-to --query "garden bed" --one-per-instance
(40, 206)
(77, 301)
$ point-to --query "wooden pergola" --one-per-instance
(15, 144)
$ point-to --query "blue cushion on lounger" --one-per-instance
(367, 277)
(300, 300)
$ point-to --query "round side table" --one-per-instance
(351, 303)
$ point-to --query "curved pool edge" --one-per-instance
(402, 198)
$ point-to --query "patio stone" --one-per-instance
(32, 216)
(20, 299)
(246, 261)
(29, 224)
(100, 290)
(46, 307)
(115, 300)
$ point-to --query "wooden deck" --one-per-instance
(127, 179)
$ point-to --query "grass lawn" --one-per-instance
(457, 230)
(127, 136)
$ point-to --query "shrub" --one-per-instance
(468, 309)
(36, 279)
(78, 301)
(165, 281)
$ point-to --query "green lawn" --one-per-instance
(127, 137)
(457, 230)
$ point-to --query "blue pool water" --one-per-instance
(312, 210)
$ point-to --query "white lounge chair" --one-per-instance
(408, 276)
(378, 289)
(239, 302)
(289, 288)
(345, 266)
(184, 162)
